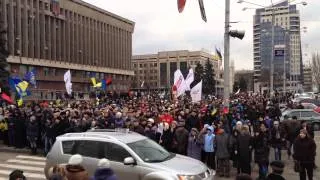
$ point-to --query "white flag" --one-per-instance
(189, 79)
(67, 80)
(237, 92)
(196, 92)
(179, 82)
(142, 84)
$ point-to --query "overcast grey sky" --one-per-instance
(159, 26)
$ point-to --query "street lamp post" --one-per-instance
(226, 71)
(285, 62)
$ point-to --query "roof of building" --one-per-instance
(104, 11)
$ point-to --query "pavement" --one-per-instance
(11, 159)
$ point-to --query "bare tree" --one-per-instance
(316, 69)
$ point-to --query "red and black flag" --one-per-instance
(181, 4)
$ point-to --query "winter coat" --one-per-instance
(104, 174)
(292, 129)
(273, 176)
(32, 129)
(167, 139)
(304, 150)
(119, 123)
(138, 129)
(194, 147)
(261, 148)
(49, 130)
(76, 172)
(222, 146)
(277, 141)
(180, 138)
(150, 133)
(244, 147)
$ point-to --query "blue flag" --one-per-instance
(19, 86)
(30, 77)
(104, 85)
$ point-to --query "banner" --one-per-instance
(189, 79)
(67, 80)
(30, 77)
(179, 82)
(196, 92)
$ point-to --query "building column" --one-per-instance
(4, 15)
(31, 26)
(49, 37)
(42, 34)
(89, 52)
(11, 29)
(37, 29)
(104, 64)
(19, 34)
(64, 39)
(54, 39)
(25, 29)
(81, 40)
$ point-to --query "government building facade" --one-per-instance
(53, 36)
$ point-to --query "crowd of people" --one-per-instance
(209, 131)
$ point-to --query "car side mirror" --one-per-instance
(129, 161)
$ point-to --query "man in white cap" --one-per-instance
(104, 172)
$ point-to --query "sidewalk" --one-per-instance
(26, 150)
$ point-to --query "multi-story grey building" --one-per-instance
(53, 36)
(156, 71)
(287, 39)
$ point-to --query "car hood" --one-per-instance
(181, 165)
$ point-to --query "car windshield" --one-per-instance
(150, 151)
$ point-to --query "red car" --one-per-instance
(311, 106)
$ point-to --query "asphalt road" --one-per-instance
(11, 159)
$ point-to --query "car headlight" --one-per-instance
(187, 177)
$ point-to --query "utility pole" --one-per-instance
(226, 75)
(272, 52)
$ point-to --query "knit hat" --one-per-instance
(75, 160)
(304, 131)
(16, 174)
(277, 166)
(239, 123)
(104, 163)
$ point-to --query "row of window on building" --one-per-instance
(49, 72)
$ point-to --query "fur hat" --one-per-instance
(104, 163)
(16, 174)
(75, 160)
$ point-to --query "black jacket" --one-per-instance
(304, 150)
(261, 147)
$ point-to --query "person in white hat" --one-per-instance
(74, 169)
